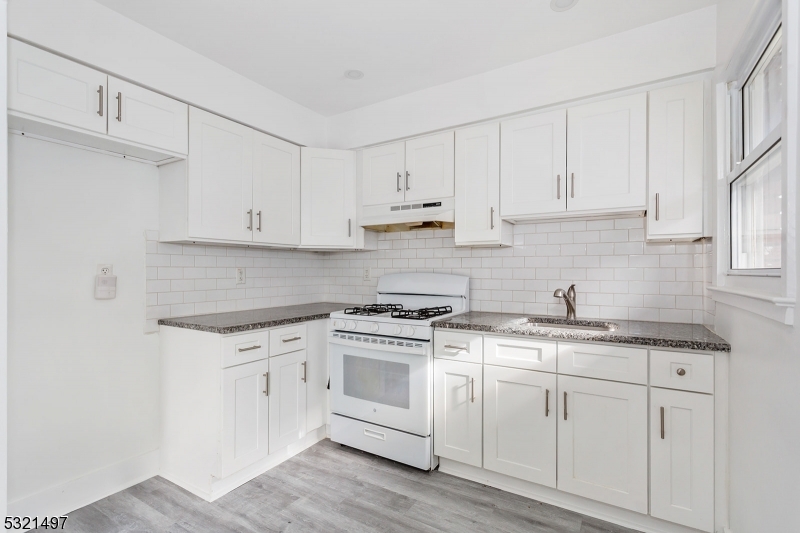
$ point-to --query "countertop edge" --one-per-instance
(226, 330)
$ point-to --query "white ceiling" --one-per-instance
(301, 48)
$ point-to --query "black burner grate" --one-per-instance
(422, 314)
(373, 309)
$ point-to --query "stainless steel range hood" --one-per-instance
(410, 216)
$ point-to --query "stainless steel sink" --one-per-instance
(562, 323)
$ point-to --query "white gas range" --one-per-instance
(381, 363)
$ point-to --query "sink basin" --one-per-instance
(563, 323)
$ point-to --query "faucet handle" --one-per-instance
(571, 291)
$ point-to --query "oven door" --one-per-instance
(383, 381)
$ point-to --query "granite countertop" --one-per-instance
(654, 334)
(238, 321)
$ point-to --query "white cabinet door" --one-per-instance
(317, 374)
(533, 164)
(682, 458)
(429, 167)
(457, 411)
(220, 178)
(607, 154)
(245, 415)
(287, 393)
(478, 186)
(276, 190)
(145, 117)
(383, 174)
(328, 197)
(47, 86)
(675, 161)
(602, 441)
(519, 424)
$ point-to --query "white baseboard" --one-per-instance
(579, 504)
(87, 489)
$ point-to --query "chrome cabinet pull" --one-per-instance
(304, 371)
(119, 107)
(662, 422)
(491, 217)
(349, 231)
(408, 185)
(565, 405)
(399, 188)
(656, 206)
(250, 214)
(250, 348)
(473, 390)
(266, 384)
(558, 187)
(681, 372)
(292, 339)
(456, 348)
(259, 221)
(100, 104)
(572, 192)
(547, 402)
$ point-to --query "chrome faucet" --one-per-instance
(569, 299)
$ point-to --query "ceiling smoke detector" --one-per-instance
(562, 5)
(355, 74)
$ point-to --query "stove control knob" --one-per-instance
(338, 324)
(398, 330)
(374, 327)
(409, 331)
(351, 324)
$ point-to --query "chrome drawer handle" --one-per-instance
(292, 339)
(456, 348)
(250, 348)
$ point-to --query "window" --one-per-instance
(762, 96)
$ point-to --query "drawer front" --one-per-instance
(245, 348)
(615, 363)
(288, 339)
(682, 371)
(466, 347)
(520, 353)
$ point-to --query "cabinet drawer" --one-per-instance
(615, 363)
(240, 349)
(682, 371)
(520, 353)
(288, 339)
(467, 347)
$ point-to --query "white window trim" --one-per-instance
(771, 293)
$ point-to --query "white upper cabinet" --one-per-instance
(383, 174)
(457, 411)
(429, 167)
(245, 415)
(145, 117)
(477, 186)
(220, 196)
(44, 85)
(607, 155)
(675, 203)
(328, 198)
(276, 191)
(534, 165)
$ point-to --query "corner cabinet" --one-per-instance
(328, 192)
(477, 187)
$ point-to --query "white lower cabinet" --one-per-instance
(519, 423)
(245, 415)
(682, 457)
(602, 441)
(457, 411)
(287, 406)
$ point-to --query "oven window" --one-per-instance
(374, 380)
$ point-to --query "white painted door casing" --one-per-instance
(682, 458)
(533, 165)
(145, 117)
(602, 441)
(383, 174)
(287, 394)
(675, 162)
(607, 155)
(430, 167)
(276, 191)
(457, 411)
(220, 181)
(520, 411)
(328, 193)
(45, 85)
(477, 185)
(245, 415)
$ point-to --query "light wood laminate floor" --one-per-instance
(333, 488)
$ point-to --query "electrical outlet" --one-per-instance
(367, 274)
(240, 276)
(105, 270)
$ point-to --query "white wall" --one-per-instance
(665, 49)
(83, 376)
(94, 34)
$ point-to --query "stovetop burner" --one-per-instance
(373, 309)
(422, 314)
